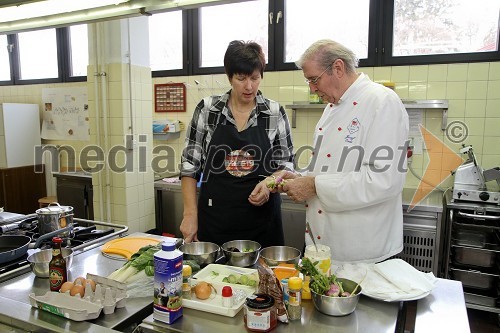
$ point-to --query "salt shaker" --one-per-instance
(227, 297)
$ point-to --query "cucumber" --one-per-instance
(194, 265)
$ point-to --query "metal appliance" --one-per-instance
(82, 236)
(470, 180)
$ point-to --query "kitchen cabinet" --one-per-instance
(75, 189)
(20, 189)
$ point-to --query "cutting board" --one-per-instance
(125, 247)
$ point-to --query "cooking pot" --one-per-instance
(13, 247)
(55, 217)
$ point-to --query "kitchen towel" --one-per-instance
(391, 280)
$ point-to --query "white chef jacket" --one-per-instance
(359, 160)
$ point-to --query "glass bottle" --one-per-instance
(186, 281)
(58, 273)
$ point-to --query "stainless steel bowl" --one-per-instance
(246, 254)
(275, 255)
(203, 253)
(338, 306)
(39, 261)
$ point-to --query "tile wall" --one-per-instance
(472, 89)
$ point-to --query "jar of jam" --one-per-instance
(260, 313)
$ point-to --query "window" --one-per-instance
(38, 54)
(79, 50)
(343, 21)
(427, 27)
(4, 59)
(166, 41)
(219, 25)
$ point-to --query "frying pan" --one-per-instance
(13, 247)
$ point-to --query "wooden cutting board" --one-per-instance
(127, 246)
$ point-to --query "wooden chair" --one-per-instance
(45, 201)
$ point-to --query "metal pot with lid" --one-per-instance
(55, 217)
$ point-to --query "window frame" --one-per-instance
(389, 60)
(380, 43)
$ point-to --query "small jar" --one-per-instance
(187, 271)
(294, 298)
(260, 313)
(284, 287)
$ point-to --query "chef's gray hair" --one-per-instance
(326, 51)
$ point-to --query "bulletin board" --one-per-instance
(66, 114)
(170, 97)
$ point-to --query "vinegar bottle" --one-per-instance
(58, 273)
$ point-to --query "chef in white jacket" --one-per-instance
(353, 185)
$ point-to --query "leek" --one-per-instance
(139, 265)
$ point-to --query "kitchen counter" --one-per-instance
(443, 309)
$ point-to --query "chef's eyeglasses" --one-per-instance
(316, 79)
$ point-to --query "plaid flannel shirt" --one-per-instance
(206, 117)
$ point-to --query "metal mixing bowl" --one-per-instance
(246, 255)
(338, 306)
(203, 253)
(275, 255)
(39, 261)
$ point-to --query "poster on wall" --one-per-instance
(66, 114)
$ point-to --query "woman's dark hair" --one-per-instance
(244, 58)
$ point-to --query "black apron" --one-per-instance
(224, 212)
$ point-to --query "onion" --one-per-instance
(203, 290)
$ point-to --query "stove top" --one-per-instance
(81, 236)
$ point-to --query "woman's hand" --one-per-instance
(260, 194)
(189, 228)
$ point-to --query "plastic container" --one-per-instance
(167, 305)
(294, 298)
(322, 256)
(260, 313)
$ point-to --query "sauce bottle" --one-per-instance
(58, 273)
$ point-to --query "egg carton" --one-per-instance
(108, 296)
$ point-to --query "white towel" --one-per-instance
(391, 280)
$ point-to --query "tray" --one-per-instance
(216, 273)
(70, 307)
(214, 303)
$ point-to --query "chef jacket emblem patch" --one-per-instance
(353, 127)
(239, 163)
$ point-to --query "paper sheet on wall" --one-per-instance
(66, 114)
(415, 118)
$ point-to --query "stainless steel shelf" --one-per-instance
(409, 105)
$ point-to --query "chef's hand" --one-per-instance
(189, 228)
(260, 194)
(300, 188)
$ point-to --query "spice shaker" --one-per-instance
(294, 299)
(227, 297)
(186, 281)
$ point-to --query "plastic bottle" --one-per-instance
(227, 297)
(167, 305)
(58, 274)
(284, 286)
(294, 299)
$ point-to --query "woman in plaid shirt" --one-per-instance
(233, 142)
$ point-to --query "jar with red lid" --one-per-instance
(260, 313)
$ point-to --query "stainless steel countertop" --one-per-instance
(442, 309)
(15, 306)
(77, 174)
